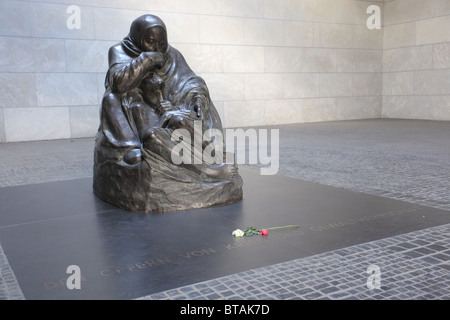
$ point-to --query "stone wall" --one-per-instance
(266, 62)
(416, 59)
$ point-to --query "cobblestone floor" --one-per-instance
(9, 289)
(412, 266)
(401, 159)
(45, 161)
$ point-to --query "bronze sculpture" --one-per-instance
(150, 93)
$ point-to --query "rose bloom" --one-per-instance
(264, 232)
(238, 233)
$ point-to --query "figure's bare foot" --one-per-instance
(219, 171)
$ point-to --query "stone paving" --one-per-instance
(9, 289)
(45, 161)
(401, 159)
(412, 266)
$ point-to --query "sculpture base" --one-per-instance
(143, 189)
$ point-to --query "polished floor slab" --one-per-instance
(44, 228)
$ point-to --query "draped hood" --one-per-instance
(132, 43)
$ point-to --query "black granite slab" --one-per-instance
(44, 228)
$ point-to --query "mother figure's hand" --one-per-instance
(154, 60)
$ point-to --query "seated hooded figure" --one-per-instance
(150, 93)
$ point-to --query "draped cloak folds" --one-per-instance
(154, 184)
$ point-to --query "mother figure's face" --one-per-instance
(154, 40)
